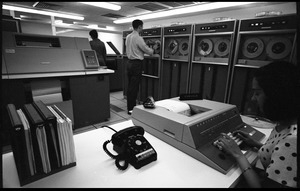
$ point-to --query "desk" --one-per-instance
(95, 169)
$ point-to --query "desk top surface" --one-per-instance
(57, 74)
(95, 169)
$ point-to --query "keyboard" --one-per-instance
(257, 135)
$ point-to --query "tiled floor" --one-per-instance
(118, 112)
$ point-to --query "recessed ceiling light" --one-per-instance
(103, 5)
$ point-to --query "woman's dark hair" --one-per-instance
(94, 34)
(280, 82)
(136, 23)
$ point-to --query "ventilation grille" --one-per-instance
(171, 4)
(187, 3)
(177, 4)
(113, 15)
(44, 5)
(151, 7)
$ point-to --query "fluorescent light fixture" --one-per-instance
(104, 5)
(27, 10)
(80, 23)
(184, 10)
(35, 4)
(60, 23)
(94, 26)
(111, 28)
(64, 31)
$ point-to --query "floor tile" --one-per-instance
(115, 108)
(111, 98)
(124, 115)
(118, 95)
(118, 103)
(114, 116)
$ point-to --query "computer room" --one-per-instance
(150, 94)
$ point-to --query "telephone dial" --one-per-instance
(132, 148)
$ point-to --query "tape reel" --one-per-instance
(157, 50)
(148, 42)
(172, 47)
(184, 47)
(253, 47)
(151, 43)
(205, 47)
(258, 122)
(221, 47)
(279, 48)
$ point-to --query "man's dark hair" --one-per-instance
(281, 83)
(94, 34)
(136, 23)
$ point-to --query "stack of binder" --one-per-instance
(42, 141)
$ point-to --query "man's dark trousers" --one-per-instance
(134, 74)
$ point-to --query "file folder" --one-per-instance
(69, 132)
(18, 143)
(51, 133)
(39, 139)
(64, 125)
(61, 137)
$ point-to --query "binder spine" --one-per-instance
(28, 142)
(18, 143)
(51, 132)
(35, 121)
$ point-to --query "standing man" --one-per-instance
(99, 47)
(135, 50)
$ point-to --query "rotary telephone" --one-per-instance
(132, 148)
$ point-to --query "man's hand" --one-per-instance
(155, 46)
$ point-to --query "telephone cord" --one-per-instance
(118, 158)
(107, 152)
(121, 157)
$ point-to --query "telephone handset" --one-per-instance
(132, 148)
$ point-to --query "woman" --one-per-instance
(276, 91)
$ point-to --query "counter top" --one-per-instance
(57, 74)
(95, 169)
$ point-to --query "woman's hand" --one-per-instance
(228, 145)
(247, 139)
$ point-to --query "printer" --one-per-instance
(28, 54)
(192, 126)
